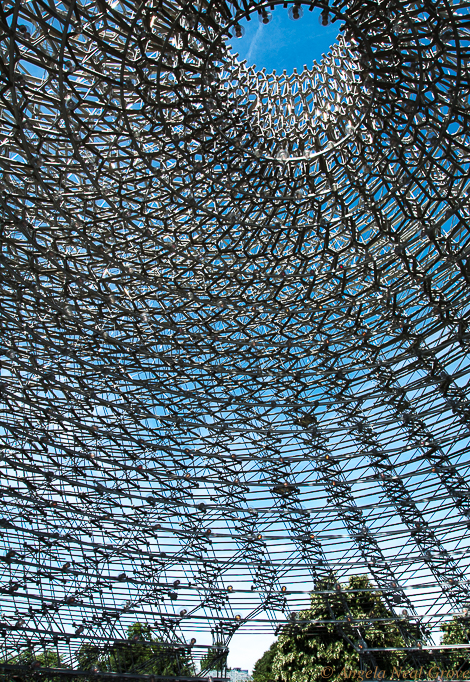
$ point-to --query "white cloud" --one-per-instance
(254, 43)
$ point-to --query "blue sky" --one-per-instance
(284, 43)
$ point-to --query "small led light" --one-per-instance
(325, 19)
(295, 12)
(265, 17)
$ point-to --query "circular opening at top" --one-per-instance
(284, 38)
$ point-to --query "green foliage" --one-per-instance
(214, 660)
(457, 631)
(144, 654)
(141, 653)
(306, 647)
(263, 670)
(46, 659)
(88, 657)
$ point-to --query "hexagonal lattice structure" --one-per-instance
(234, 319)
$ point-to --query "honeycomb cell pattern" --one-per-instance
(234, 321)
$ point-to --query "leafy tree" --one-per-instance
(457, 631)
(140, 653)
(47, 659)
(309, 645)
(214, 660)
(263, 670)
(88, 657)
(143, 653)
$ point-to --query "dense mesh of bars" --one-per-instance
(234, 320)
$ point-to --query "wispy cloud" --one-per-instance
(254, 43)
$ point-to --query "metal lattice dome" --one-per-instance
(234, 320)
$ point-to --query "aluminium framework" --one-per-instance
(234, 321)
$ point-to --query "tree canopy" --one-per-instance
(263, 669)
(46, 659)
(141, 653)
(457, 631)
(214, 660)
(312, 643)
